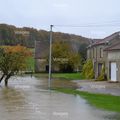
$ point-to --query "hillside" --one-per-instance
(12, 35)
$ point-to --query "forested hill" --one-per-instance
(11, 35)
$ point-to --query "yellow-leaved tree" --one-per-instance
(12, 60)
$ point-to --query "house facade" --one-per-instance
(106, 52)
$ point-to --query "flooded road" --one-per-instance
(28, 99)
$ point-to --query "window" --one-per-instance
(93, 53)
(101, 52)
(88, 54)
(96, 52)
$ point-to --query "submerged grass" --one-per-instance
(102, 101)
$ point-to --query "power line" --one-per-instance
(90, 25)
(103, 24)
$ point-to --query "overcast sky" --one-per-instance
(104, 14)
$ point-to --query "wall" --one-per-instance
(94, 54)
(40, 65)
(114, 56)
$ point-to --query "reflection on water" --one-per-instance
(28, 99)
(11, 96)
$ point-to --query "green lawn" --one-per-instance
(67, 76)
(102, 101)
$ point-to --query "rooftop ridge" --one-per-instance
(106, 39)
(112, 46)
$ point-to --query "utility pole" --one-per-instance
(50, 58)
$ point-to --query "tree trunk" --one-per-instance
(6, 82)
(2, 78)
(6, 79)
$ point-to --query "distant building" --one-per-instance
(106, 52)
(41, 54)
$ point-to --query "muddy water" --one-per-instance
(28, 99)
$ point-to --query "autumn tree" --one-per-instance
(12, 60)
(64, 56)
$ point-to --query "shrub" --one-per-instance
(102, 74)
(88, 70)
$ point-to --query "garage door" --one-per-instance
(113, 72)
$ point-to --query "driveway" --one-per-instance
(98, 87)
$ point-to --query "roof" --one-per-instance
(106, 39)
(41, 49)
(113, 47)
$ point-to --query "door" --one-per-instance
(113, 72)
(99, 68)
(47, 68)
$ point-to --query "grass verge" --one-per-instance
(102, 101)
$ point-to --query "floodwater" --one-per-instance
(28, 99)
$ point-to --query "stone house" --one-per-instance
(106, 52)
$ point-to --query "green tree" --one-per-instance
(64, 57)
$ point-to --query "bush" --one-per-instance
(102, 75)
(88, 70)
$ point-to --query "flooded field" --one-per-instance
(28, 99)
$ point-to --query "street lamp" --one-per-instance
(50, 58)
